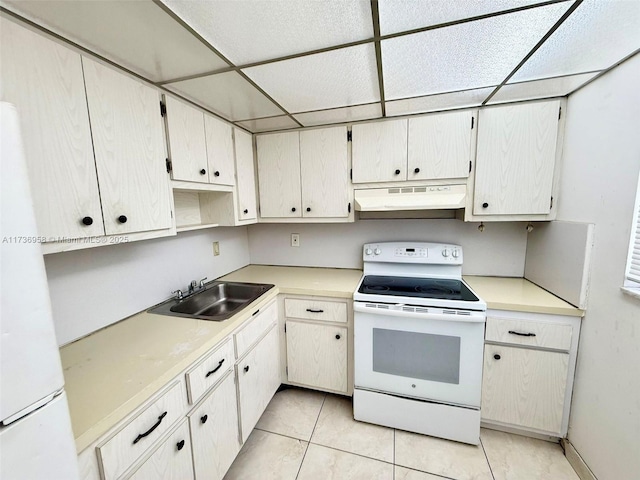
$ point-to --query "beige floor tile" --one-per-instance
(267, 456)
(321, 463)
(441, 457)
(292, 412)
(336, 428)
(402, 473)
(514, 457)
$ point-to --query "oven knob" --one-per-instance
(378, 251)
(445, 253)
(368, 251)
(455, 254)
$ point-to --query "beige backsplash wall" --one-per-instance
(499, 250)
(93, 288)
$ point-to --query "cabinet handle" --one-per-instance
(246, 211)
(398, 172)
(87, 221)
(513, 332)
(246, 369)
(497, 357)
(485, 205)
(216, 173)
(308, 209)
(314, 311)
(156, 425)
(293, 209)
(122, 219)
(180, 444)
(204, 418)
(338, 337)
(215, 369)
(416, 170)
(203, 172)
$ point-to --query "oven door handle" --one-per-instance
(473, 317)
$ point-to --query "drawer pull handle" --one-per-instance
(255, 313)
(180, 444)
(156, 425)
(512, 332)
(215, 369)
(338, 337)
(314, 311)
(497, 356)
(204, 418)
(246, 369)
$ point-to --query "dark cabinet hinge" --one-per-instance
(286, 370)
(470, 163)
(163, 109)
(169, 165)
(351, 174)
(559, 113)
(285, 328)
(472, 119)
(349, 207)
(349, 136)
(551, 203)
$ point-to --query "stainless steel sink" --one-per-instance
(218, 301)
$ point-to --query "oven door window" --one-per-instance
(422, 356)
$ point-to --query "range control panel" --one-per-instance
(413, 252)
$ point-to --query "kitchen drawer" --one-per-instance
(124, 447)
(255, 328)
(530, 333)
(206, 373)
(171, 460)
(315, 310)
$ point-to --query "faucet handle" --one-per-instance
(202, 282)
(179, 294)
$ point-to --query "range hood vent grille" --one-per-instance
(431, 197)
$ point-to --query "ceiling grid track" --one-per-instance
(375, 17)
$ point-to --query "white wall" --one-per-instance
(93, 288)
(499, 250)
(601, 164)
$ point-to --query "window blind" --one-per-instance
(633, 265)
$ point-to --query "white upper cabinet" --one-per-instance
(245, 175)
(440, 146)
(379, 151)
(324, 172)
(187, 142)
(44, 81)
(515, 159)
(219, 137)
(279, 174)
(128, 141)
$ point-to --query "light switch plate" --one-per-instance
(216, 249)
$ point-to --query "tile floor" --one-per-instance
(307, 435)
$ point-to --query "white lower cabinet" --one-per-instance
(258, 379)
(171, 460)
(214, 431)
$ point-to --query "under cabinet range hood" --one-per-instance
(432, 197)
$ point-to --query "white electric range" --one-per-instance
(418, 341)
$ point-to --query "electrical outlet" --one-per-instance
(216, 249)
(295, 239)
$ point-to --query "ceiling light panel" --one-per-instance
(594, 37)
(340, 115)
(337, 78)
(402, 15)
(251, 31)
(549, 87)
(138, 35)
(443, 101)
(268, 124)
(465, 56)
(227, 94)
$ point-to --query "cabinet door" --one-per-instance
(258, 380)
(379, 151)
(324, 170)
(524, 387)
(214, 430)
(187, 142)
(44, 81)
(279, 174)
(439, 146)
(245, 174)
(128, 141)
(171, 460)
(515, 159)
(317, 355)
(219, 151)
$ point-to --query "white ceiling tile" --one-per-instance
(549, 87)
(227, 94)
(401, 15)
(347, 76)
(594, 37)
(282, 122)
(464, 56)
(250, 31)
(138, 35)
(442, 101)
(340, 115)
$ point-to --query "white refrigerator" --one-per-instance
(36, 441)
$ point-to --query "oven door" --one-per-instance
(429, 356)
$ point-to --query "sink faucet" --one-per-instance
(179, 294)
(192, 286)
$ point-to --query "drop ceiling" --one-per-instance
(278, 64)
